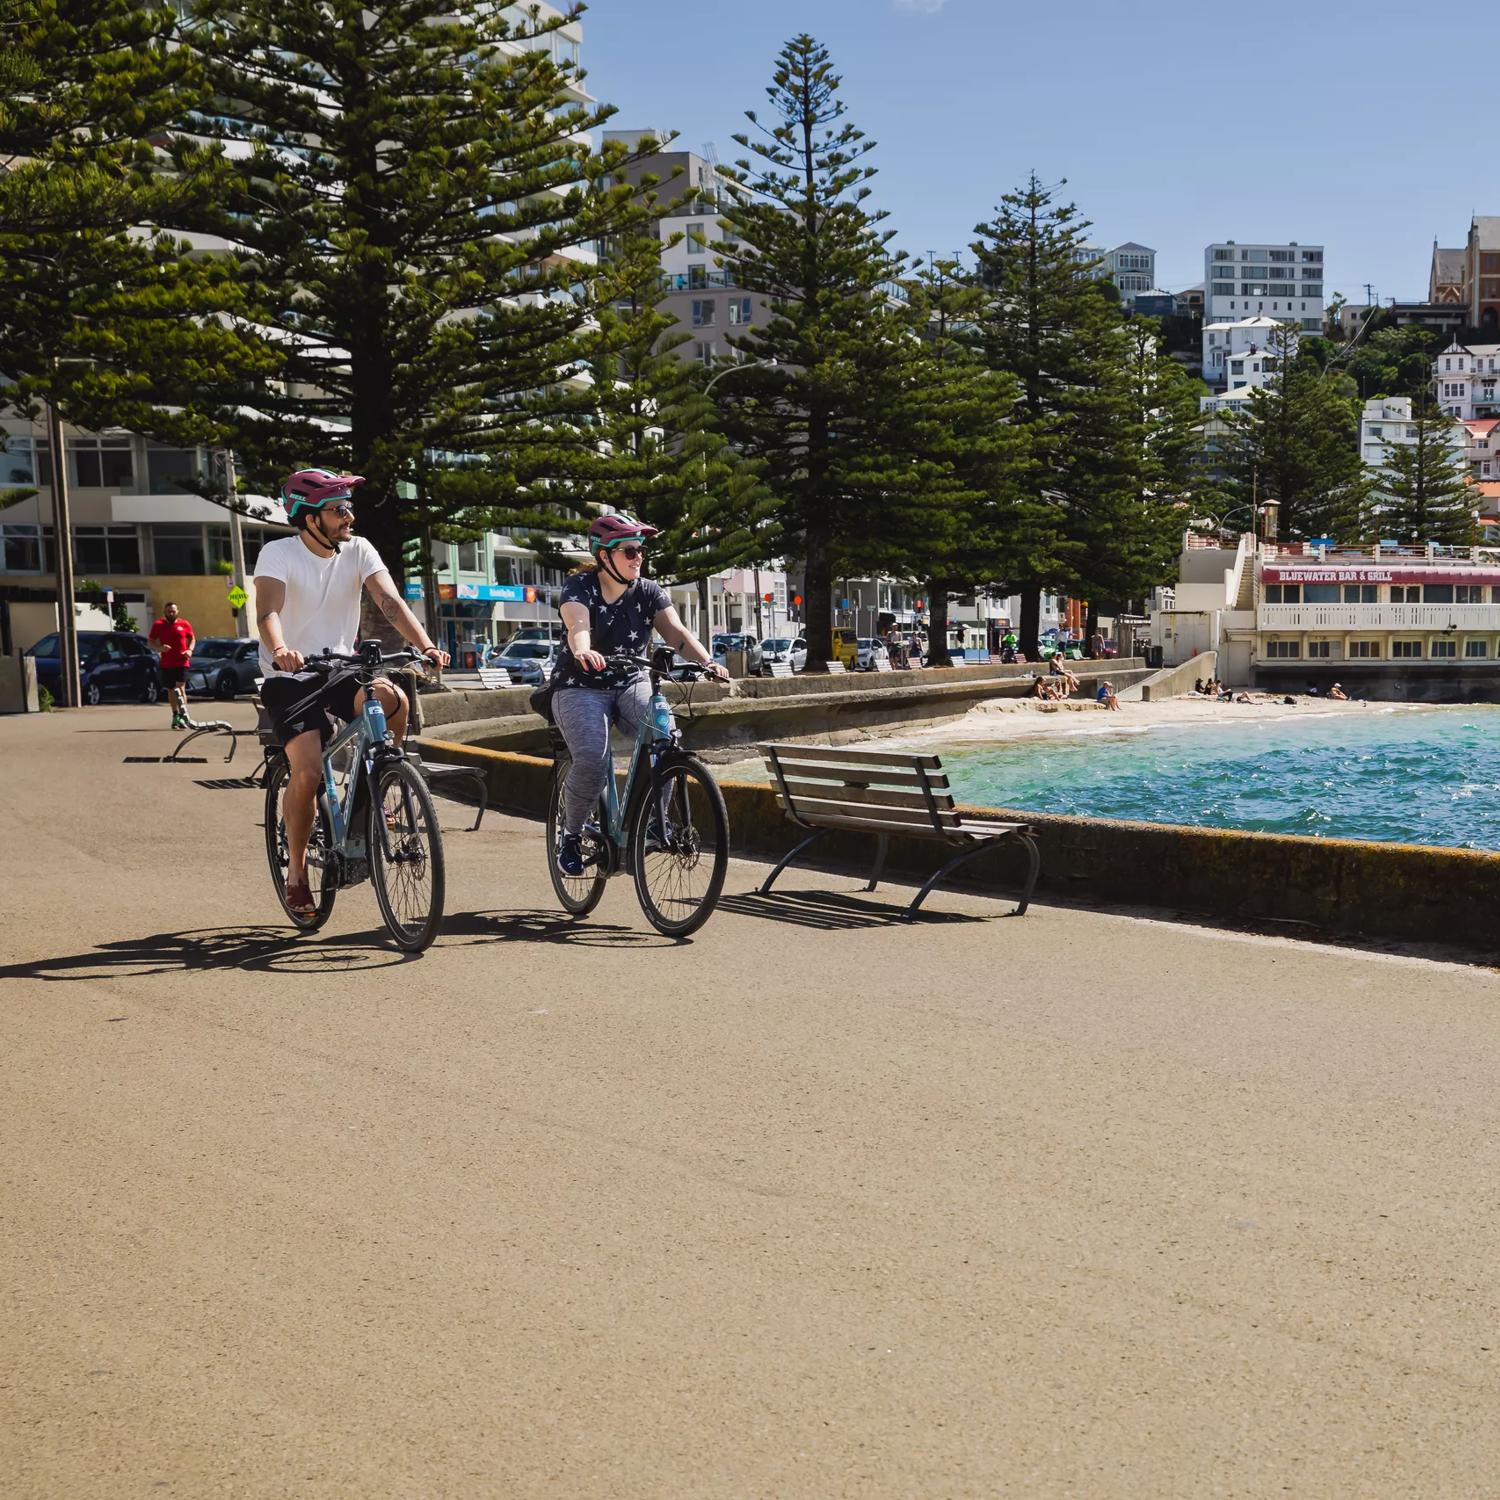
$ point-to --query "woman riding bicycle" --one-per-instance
(608, 609)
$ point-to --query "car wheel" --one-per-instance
(152, 691)
(227, 685)
(93, 694)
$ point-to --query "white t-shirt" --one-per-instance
(321, 612)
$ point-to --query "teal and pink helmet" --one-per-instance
(312, 489)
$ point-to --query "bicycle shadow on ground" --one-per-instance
(834, 911)
(546, 927)
(277, 950)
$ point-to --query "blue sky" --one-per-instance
(1174, 123)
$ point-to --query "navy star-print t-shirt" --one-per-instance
(621, 628)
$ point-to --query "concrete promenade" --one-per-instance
(819, 1204)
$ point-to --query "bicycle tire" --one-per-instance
(662, 874)
(318, 846)
(580, 894)
(403, 855)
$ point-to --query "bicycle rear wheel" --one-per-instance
(579, 894)
(320, 863)
(406, 855)
(680, 848)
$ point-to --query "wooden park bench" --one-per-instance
(779, 668)
(837, 666)
(885, 792)
(494, 677)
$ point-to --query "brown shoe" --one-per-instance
(299, 900)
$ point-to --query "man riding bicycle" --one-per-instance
(608, 609)
(307, 597)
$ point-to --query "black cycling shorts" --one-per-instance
(173, 676)
(282, 691)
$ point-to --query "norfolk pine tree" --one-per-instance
(1044, 321)
(819, 420)
(1297, 445)
(414, 217)
(1423, 492)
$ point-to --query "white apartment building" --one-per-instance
(1236, 353)
(1386, 422)
(1281, 281)
(1466, 380)
(1130, 266)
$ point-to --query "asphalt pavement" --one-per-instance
(819, 1204)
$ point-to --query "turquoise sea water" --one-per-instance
(1410, 776)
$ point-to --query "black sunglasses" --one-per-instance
(631, 552)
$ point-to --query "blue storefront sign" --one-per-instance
(479, 593)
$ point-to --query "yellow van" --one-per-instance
(845, 646)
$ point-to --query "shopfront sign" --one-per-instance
(483, 593)
(1274, 573)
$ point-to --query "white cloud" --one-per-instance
(919, 7)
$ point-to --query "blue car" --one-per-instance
(114, 664)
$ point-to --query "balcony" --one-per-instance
(1421, 618)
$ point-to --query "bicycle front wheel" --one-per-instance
(579, 894)
(680, 848)
(320, 864)
(406, 855)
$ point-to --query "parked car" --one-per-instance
(723, 644)
(782, 648)
(845, 646)
(539, 633)
(223, 666)
(871, 652)
(112, 664)
(528, 661)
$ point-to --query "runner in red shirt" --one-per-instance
(174, 639)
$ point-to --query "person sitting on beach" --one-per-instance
(1198, 689)
(1069, 683)
(1039, 688)
(1337, 692)
(1105, 697)
(1242, 698)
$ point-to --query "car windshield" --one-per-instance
(866, 644)
(769, 645)
(47, 646)
(214, 650)
(527, 649)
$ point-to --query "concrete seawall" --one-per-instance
(1396, 891)
(1173, 682)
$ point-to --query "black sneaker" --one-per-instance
(570, 855)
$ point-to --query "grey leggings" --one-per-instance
(584, 716)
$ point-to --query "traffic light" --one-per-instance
(770, 598)
(797, 600)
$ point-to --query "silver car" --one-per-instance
(223, 666)
(528, 661)
(785, 648)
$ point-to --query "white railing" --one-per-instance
(1425, 617)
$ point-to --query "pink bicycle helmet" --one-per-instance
(312, 489)
(608, 530)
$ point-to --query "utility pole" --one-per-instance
(62, 545)
(236, 544)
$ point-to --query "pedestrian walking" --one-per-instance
(174, 639)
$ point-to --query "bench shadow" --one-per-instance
(833, 911)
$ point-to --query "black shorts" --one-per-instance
(282, 691)
(173, 676)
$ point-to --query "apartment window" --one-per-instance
(1364, 650)
(1444, 650)
(1447, 364)
(1468, 593)
(1314, 257)
(703, 312)
(697, 278)
(1283, 650)
(21, 548)
(1437, 593)
(1320, 650)
(1495, 594)
(169, 469)
(697, 241)
(178, 550)
(100, 463)
(1376, 431)
(221, 549)
(1320, 593)
(16, 463)
(469, 558)
(106, 549)
(704, 351)
(1475, 649)
(739, 310)
(1283, 593)
(1223, 254)
(1360, 593)
(1406, 593)
(1405, 650)
(1223, 289)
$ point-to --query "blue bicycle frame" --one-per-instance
(657, 725)
(366, 731)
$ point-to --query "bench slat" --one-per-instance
(857, 757)
(876, 796)
(865, 812)
(857, 774)
(911, 830)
